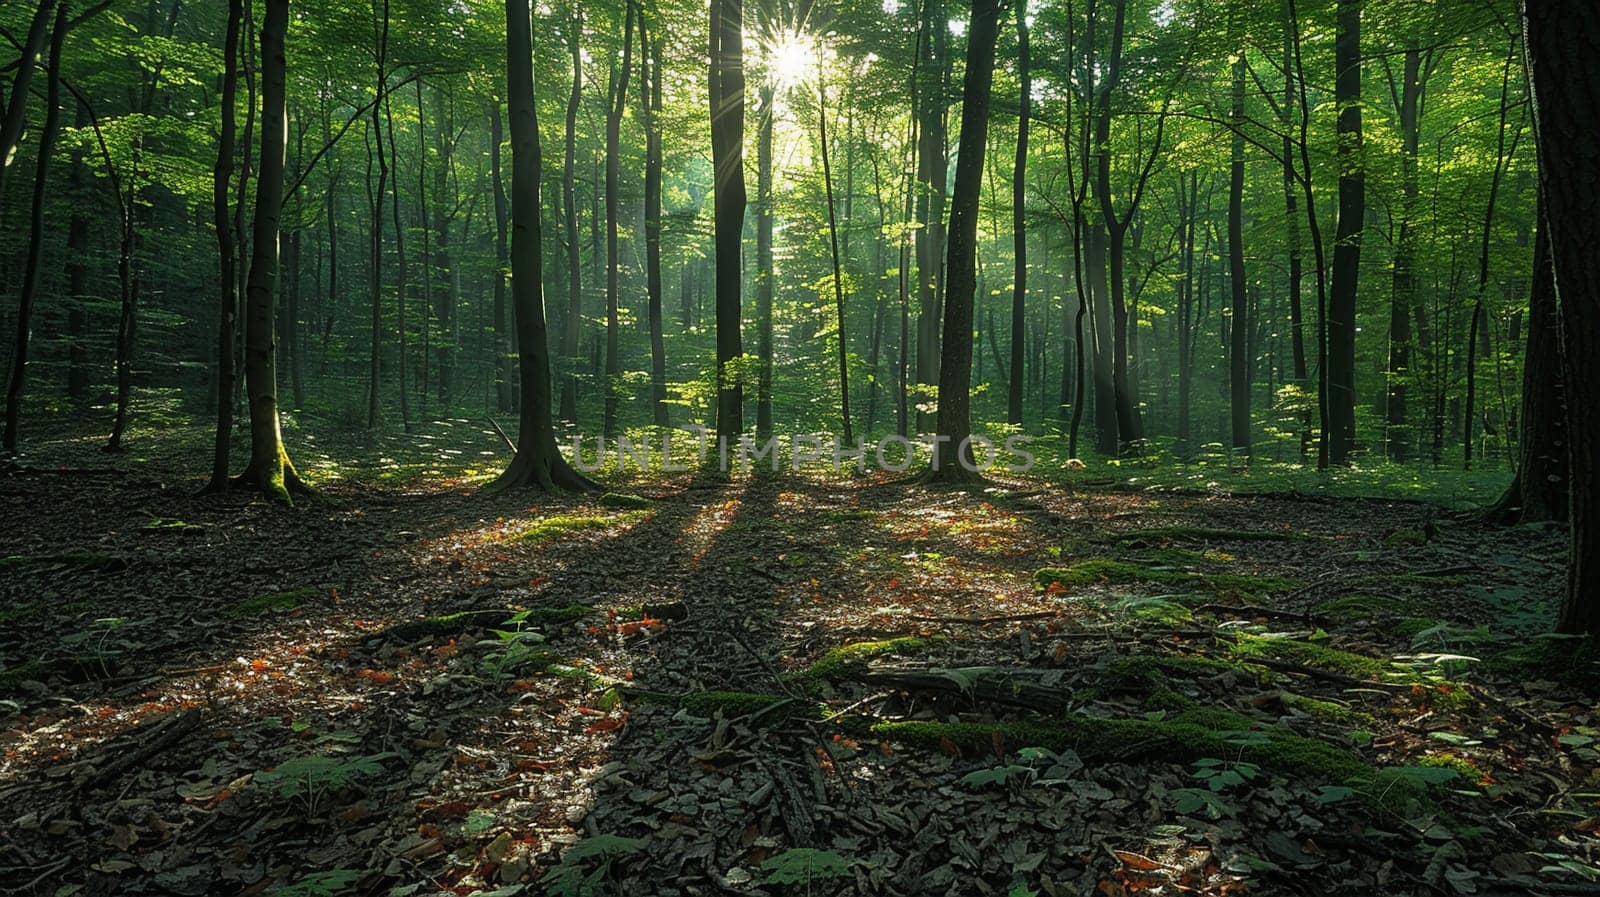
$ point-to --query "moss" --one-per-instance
(1152, 668)
(1465, 768)
(1189, 734)
(1367, 606)
(1411, 627)
(277, 602)
(1316, 707)
(1311, 654)
(1406, 537)
(1205, 534)
(624, 500)
(556, 526)
(89, 560)
(1105, 570)
(494, 618)
(838, 663)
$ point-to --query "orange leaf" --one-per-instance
(1136, 861)
(605, 725)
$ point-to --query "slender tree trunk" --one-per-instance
(1404, 294)
(1019, 223)
(1341, 321)
(400, 272)
(1239, 350)
(618, 94)
(833, 243)
(650, 100)
(443, 299)
(571, 329)
(764, 285)
(502, 327)
(932, 168)
(36, 232)
(538, 460)
(222, 222)
(955, 366)
(270, 469)
(78, 275)
(376, 276)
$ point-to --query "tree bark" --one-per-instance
(1341, 323)
(650, 101)
(955, 364)
(764, 283)
(1562, 40)
(833, 243)
(222, 221)
(727, 158)
(1239, 347)
(538, 461)
(617, 94)
(270, 469)
(36, 232)
(1019, 223)
(571, 329)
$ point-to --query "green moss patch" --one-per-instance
(1105, 570)
(1311, 654)
(839, 663)
(471, 620)
(1151, 669)
(624, 500)
(557, 526)
(277, 602)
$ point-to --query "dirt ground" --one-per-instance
(776, 684)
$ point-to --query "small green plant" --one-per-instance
(575, 877)
(96, 640)
(319, 884)
(1200, 800)
(309, 780)
(803, 866)
(1221, 775)
(516, 647)
(1036, 766)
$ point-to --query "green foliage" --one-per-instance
(585, 868)
(839, 662)
(311, 779)
(319, 884)
(277, 602)
(557, 526)
(803, 866)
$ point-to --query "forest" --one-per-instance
(782, 447)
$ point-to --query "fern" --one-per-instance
(319, 884)
(804, 865)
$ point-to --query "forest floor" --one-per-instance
(774, 684)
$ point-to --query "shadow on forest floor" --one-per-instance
(771, 684)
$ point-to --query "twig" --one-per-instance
(497, 428)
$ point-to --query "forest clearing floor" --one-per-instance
(776, 684)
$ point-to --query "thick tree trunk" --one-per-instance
(955, 364)
(1341, 322)
(1539, 492)
(538, 460)
(36, 232)
(727, 159)
(16, 109)
(1563, 39)
(270, 469)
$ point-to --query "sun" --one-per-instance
(791, 57)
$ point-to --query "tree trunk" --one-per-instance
(932, 168)
(1539, 491)
(833, 243)
(571, 329)
(1562, 40)
(376, 274)
(727, 159)
(1404, 294)
(270, 469)
(36, 231)
(650, 100)
(1019, 223)
(1341, 322)
(16, 109)
(222, 221)
(617, 94)
(1239, 348)
(764, 283)
(538, 460)
(502, 326)
(78, 276)
(955, 364)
